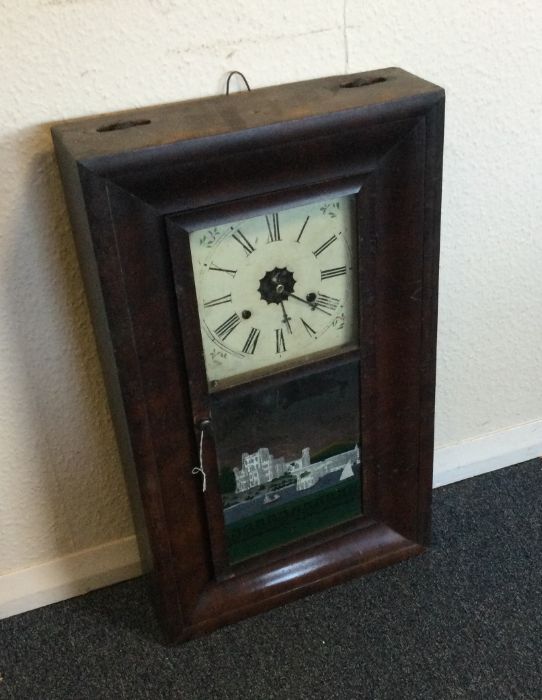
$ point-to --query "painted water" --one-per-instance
(288, 494)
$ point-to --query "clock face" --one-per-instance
(276, 288)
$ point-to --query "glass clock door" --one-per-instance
(277, 307)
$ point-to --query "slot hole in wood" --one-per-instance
(118, 126)
(363, 82)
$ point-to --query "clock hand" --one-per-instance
(285, 318)
(311, 304)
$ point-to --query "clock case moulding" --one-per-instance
(132, 181)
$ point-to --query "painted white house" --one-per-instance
(258, 468)
(261, 467)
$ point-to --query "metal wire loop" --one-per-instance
(230, 75)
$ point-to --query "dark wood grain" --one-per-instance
(135, 192)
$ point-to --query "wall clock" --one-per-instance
(262, 273)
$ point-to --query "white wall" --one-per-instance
(64, 520)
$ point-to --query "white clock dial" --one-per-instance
(275, 288)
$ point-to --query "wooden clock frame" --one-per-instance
(134, 185)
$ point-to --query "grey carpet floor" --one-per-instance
(462, 621)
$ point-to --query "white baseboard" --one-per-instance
(117, 561)
(69, 576)
(487, 453)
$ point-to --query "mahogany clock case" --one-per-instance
(134, 182)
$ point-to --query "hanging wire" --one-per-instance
(230, 75)
(199, 469)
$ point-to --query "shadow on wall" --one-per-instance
(73, 491)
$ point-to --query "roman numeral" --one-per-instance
(309, 330)
(279, 340)
(274, 228)
(215, 302)
(325, 245)
(252, 341)
(332, 272)
(324, 302)
(231, 273)
(302, 229)
(240, 238)
(229, 325)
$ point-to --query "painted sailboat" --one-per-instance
(347, 472)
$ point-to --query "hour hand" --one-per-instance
(312, 304)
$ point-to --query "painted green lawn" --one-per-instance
(283, 524)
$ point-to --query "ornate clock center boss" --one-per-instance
(262, 272)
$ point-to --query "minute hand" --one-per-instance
(313, 305)
(286, 318)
